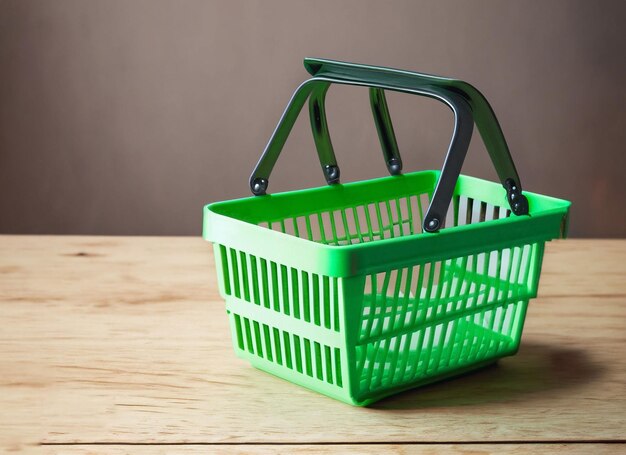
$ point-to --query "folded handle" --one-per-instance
(466, 102)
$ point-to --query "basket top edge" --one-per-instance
(333, 197)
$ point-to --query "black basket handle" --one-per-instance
(466, 102)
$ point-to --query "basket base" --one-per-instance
(344, 396)
(431, 380)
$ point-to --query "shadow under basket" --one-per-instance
(339, 290)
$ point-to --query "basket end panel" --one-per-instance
(298, 353)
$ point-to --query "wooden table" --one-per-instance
(121, 345)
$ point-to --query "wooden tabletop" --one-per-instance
(121, 345)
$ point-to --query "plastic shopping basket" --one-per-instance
(365, 289)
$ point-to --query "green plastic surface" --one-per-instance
(337, 289)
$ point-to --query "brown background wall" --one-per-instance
(125, 117)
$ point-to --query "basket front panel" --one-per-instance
(430, 319)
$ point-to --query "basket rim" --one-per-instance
(546, 223)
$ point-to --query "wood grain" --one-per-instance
(124, 340)
(364, 449)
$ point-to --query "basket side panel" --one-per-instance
(432, 319)
(291, 353)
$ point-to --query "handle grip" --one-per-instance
(466, 102)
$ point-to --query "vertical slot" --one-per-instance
(405, 353)
(406, 216)
(307, 357)
(372, 215)
(275, 292)
(525, 268)
(318, 361)
(461, 216)
(328, 364)
(294, 227)
(286, 226)
(266, 286)
(257, 338)
(475, 211)
(285, 289)
(455, 210)
(427, 348)
(338, 367)
(520, 257)
(391, 299)
(491, 213)
(302, 228)
(295, 293)
(416, 212)
(448, 220)
(338, 226)
(316, 298)
(268, 343)
(326, 300)
(483, 212)
(394, 218)
(406, 298)
(306, 305)
(277, 347)
(394, 356)
(362, 224)
(288, 355)
(335, 299)
(368, 311)
(235, 272)
(421, 270)
(349, 224)
(255, 280)
(469, 211)
(508, 318)
(385, 348)
(424, 203)
(248, 333)
(238, 331)
(416, 346)
(298, 351)
(325, 228)
(382, 211)
(432, 273)
(313, 227)
(244, 276)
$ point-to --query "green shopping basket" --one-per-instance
(365, 289)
